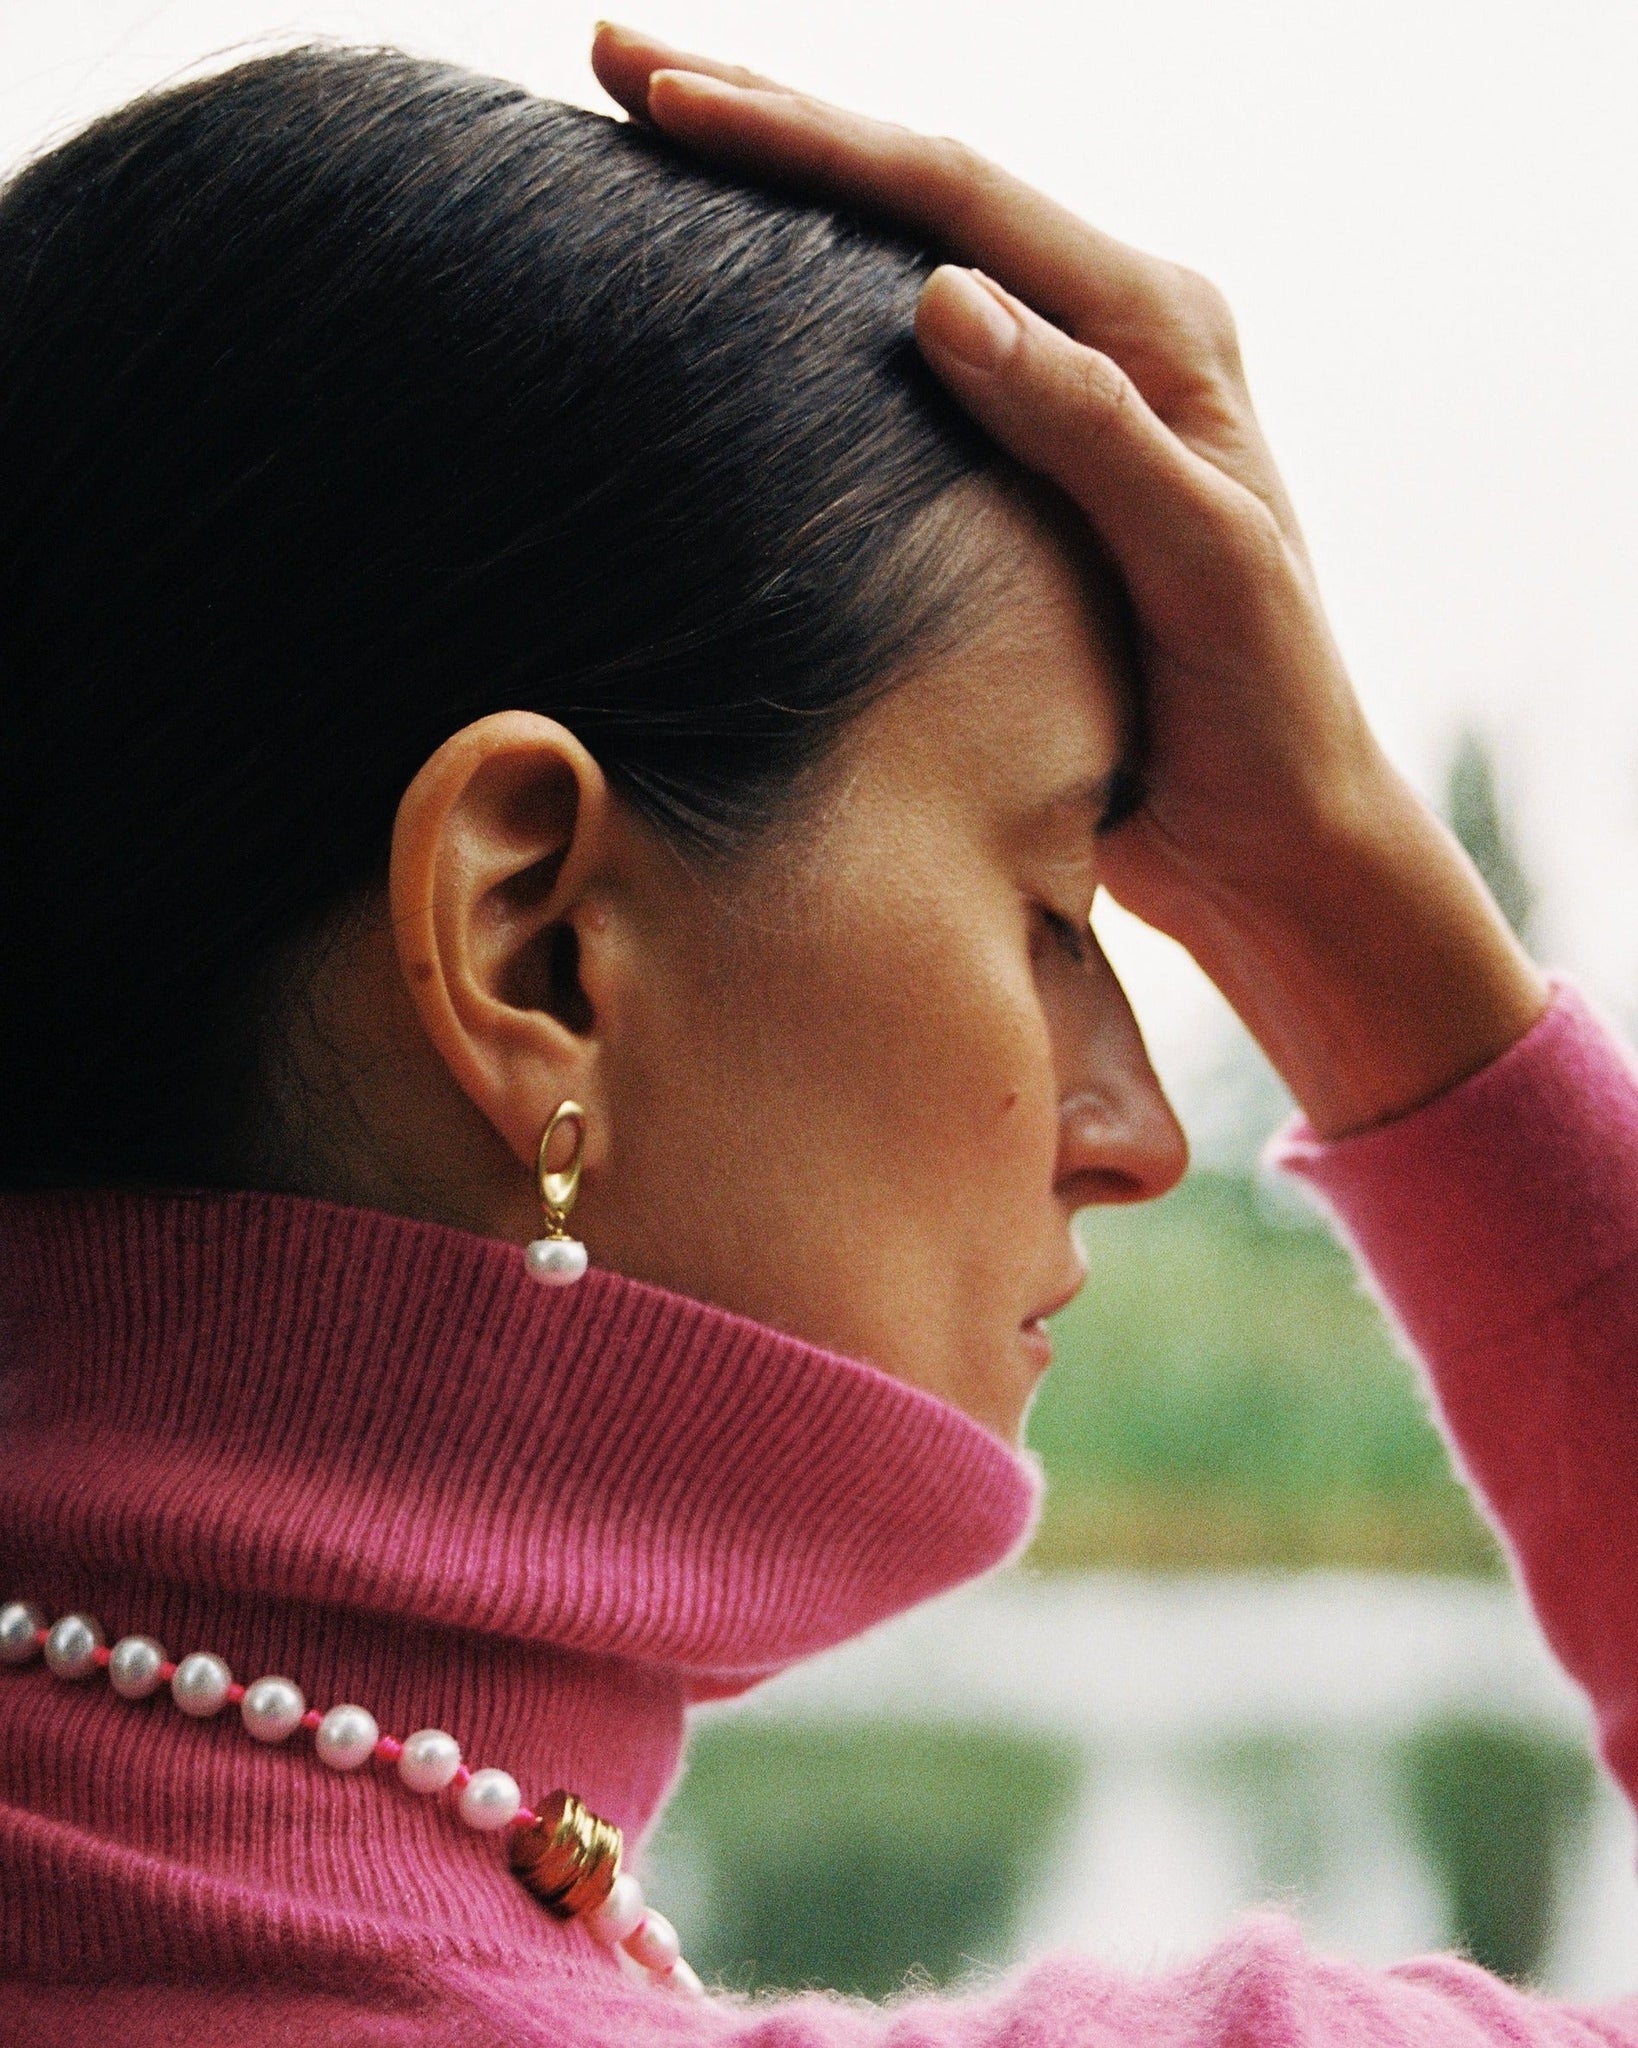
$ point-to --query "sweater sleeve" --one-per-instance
(1498, 1226)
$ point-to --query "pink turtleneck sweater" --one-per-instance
(370, 1454)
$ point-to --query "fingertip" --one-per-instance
(621, 59)
(604, 30)
(962, 318)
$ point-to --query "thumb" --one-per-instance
(1071, 413)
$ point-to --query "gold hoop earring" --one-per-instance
(555, 1258)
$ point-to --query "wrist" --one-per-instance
(1371, 963)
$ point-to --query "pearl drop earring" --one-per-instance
(555, 1258)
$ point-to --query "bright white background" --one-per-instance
(1425, 214)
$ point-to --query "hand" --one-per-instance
(1274, 838)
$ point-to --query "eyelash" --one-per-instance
(1075, 939)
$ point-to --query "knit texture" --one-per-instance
(372, 1455)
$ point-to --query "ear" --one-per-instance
(498, 851)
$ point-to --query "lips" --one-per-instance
(1037, 1337)
(1037, 1340)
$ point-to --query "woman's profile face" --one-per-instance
(871, 1082)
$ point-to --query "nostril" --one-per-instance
(1118, 1150)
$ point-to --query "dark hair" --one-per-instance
(346, 397)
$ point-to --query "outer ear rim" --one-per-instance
(419, 858)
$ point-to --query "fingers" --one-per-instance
(623, 60)
(1183, 534)
(1102, 289)
(1170, 331)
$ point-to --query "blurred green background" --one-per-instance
(1224, 1394)
(855, 1855)
(867, 1856)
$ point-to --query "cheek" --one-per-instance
(919, 1052)
(849, 1129)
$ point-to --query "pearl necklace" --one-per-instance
(563, 1855)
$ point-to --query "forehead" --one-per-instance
(1031, 703)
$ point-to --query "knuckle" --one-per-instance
(953, 159)
(962, 177)
(1101, 392)
(1207, 318)
(1255, 543)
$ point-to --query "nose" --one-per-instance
(1119, 1139)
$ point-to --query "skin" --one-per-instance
(858, 1087)
(1277, 843)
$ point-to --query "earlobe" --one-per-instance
(496, 850)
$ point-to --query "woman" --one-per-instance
(535, 721)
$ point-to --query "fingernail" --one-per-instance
(967, 320)
(696, 84)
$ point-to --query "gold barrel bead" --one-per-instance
(567, 1858)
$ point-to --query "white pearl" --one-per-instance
(200, 1687)
(632, 1970)
(683, 1977)
(620, 1914)
(345, 1739)
(489, 1799)
(272, 1708)
(20, 1625)
(72, 1646)
(654, 1943)
(133, 1667)
(556, 1261)
(430, 1759)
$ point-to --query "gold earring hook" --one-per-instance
(558, 1189)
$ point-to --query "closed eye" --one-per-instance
(1074, 939)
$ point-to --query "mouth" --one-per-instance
(1037, 1340)
(1036, 1336)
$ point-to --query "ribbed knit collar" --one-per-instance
(372, 1455)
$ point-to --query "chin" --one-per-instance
(1002, 1402)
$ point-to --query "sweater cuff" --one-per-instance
(1506, 1194)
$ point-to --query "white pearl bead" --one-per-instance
(429, 1760)
(345, 1739)
(632, 1970)
(20, 1626)
(654, 1943)
(489, 1799)
(133, 1667)
(620, 1914)
(683, 1977)
(72, 1646)
(556, 1261)
(272, 1708)
(200, 1687)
